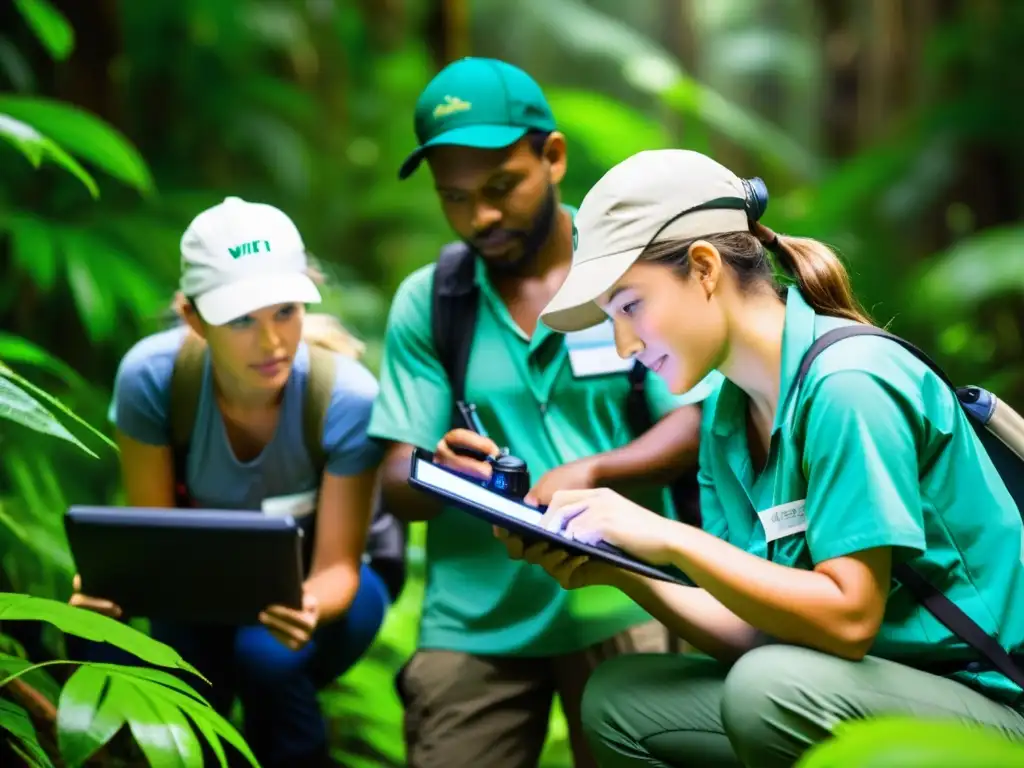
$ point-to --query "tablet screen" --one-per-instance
(436, 477)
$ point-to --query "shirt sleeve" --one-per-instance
(350, 451)
(860, 458)
(414, 402)
(141, 397)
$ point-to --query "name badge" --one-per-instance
(295, 505)
(592, 352)
(784, 520)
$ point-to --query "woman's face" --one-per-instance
(257, 350)
(673, 325)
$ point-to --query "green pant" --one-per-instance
(765, 711)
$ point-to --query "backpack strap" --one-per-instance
(933, 600)
(455, 303)
(319, 391)
(186, 386)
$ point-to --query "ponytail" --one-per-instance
(818, 272)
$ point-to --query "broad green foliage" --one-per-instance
(905, 742)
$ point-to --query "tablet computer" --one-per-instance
(187, 565)
(469, 495)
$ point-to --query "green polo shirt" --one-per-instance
(888, 459)
(478, 600)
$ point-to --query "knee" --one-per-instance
(365, 616)
(262, 659)
(770, 711)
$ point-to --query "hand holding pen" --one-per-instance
(467, 452)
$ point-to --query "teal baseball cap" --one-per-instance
(476, 102)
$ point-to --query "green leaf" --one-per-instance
(34, 248)
(21, 381)
(95, 307)
(19, 406)
(157, 707)
(83, 134)
(16, 722)
(91, 626)
(911, 742)
(83, 725)
(14, 348)
(35, 146)
(974, 270)
(50, 27)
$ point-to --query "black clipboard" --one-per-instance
(469, 495)
(187, 565)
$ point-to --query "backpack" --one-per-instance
(455, 303)
(386, 538)
(1000, 430)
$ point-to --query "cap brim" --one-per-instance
(475, 136)
(573, 308)
(229, 302)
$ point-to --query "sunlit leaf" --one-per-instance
(974, 270)
(21, 381)
(608, 130)
(35, 146)
(17, 723)
(49, 25)
(91, 626)
(911, 742)
(159, 709)
(19, 406)
(84, 135)
(95, 306)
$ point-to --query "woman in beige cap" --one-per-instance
(817, 493)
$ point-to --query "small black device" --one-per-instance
(509, 474)
(495, 508)
(188, 565)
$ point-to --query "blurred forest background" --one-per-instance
(888, 128)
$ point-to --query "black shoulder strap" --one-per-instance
(455, 302)
(934, 601)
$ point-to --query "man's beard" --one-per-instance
(531, 241)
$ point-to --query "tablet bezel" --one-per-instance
(216, 603)
(607, 553)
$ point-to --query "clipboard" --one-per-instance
(189, 565)
(470, 496)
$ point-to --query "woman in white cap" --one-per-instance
(813, 497)
(245, 283)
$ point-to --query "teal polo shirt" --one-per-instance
(478, 600)
(876, 452)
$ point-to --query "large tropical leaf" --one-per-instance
(35, 146)
(91, 626)
(19, 406)
(16, 722)
(82, 134)
(158, 708)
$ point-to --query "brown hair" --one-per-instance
(318, 329)
(816, 269)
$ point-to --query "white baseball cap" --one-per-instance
(237, 257)
(655, 195)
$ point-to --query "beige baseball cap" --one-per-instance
(239, 256)
(655, 195)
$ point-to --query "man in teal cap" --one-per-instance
(498, 638)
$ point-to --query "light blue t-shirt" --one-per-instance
(215, 478)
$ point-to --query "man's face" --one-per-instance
(502, 203)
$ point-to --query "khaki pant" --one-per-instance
(466, 711)
(765, 711)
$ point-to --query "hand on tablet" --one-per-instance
(445, 453)
(293, 628)
(95, 604)
(574, 476)
(570, 571)
(601, 514)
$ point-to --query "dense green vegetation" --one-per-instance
(888, 129)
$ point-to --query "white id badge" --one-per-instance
(592, 352)
(296, 505)
(784, 520)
